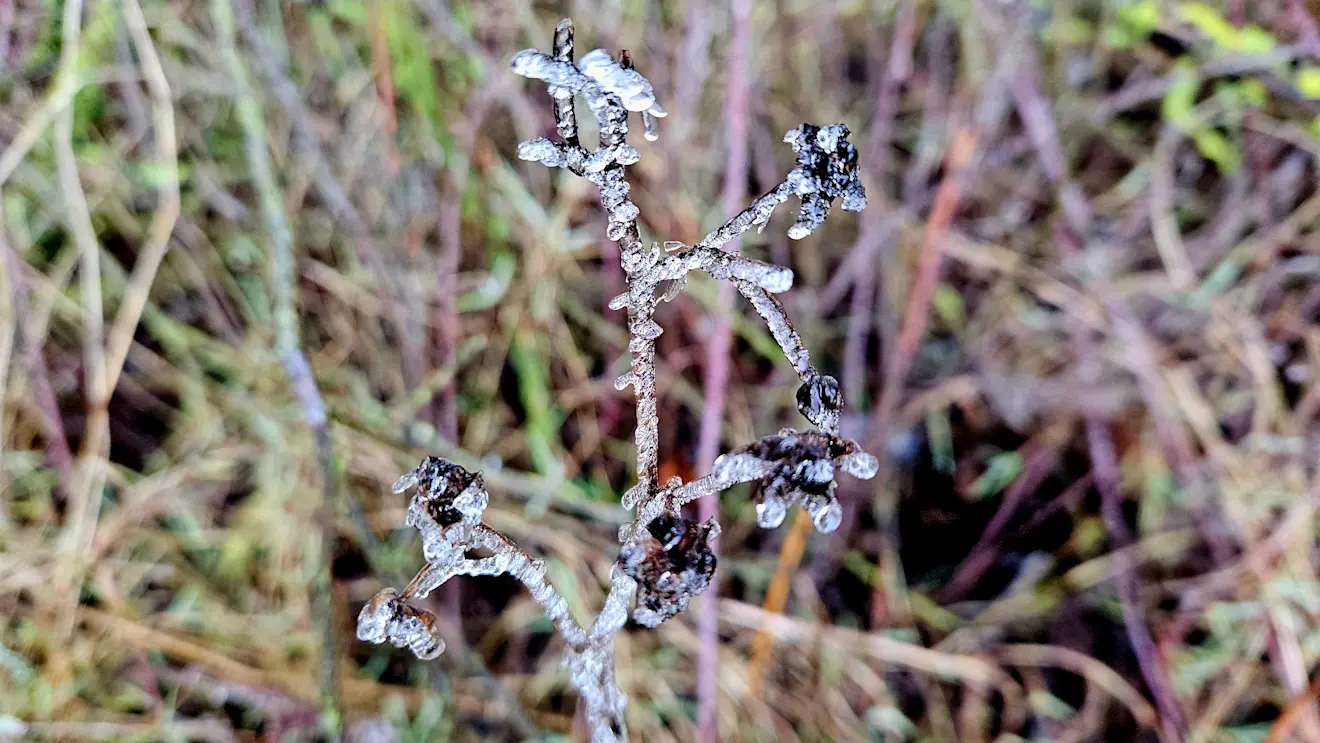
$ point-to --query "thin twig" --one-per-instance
(381, 69)
(90, 478)
(38, 375)
(1104, 463)
(916, 316)
(152, 252)
(8, 335)
(718, 346)
(283, 277)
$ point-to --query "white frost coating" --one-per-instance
(734, 468)
(776, 319)
(664, 559)
(633, 90)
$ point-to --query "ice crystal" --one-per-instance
(664, 559)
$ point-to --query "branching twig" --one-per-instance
(665, 560)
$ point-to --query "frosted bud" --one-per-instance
(672, 562)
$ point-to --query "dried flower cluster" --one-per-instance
(665, 559)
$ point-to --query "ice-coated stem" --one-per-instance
(664, 559)
(756, 213)
(565, 115)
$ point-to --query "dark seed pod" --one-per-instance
(820, 401)
(446, 493)
(672, 563)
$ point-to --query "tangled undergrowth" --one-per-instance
(258, 259)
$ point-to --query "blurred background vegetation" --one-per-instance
(260, 256)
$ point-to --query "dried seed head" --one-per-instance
(386, 618)
(796, 467)
(827, 163)
(819, 400)
(446, 493)
(672, 562)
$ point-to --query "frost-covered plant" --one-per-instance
(665, 558)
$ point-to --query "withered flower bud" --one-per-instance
(797, 467)
(827, 162)
(446, 493)
(671, 563)
(386, 618)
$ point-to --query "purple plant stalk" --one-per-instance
(664, 559)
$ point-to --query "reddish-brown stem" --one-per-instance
(917, 314)
(717, 362)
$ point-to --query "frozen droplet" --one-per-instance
(593, 64)
(860, 465)
(631, 496)
(674, 289)
(376, 616)
(406, 483)
(828, 518)
(776, 281)
(526, 61)
(649, 128)
(625, 212)
(427, 644)
(621, 383)
(649, 329)
(770, 513)
(820, 401)
(619, 302)
(798, 231)
(542, 150)
(470, 503)
(639, 102)
(627, 155)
